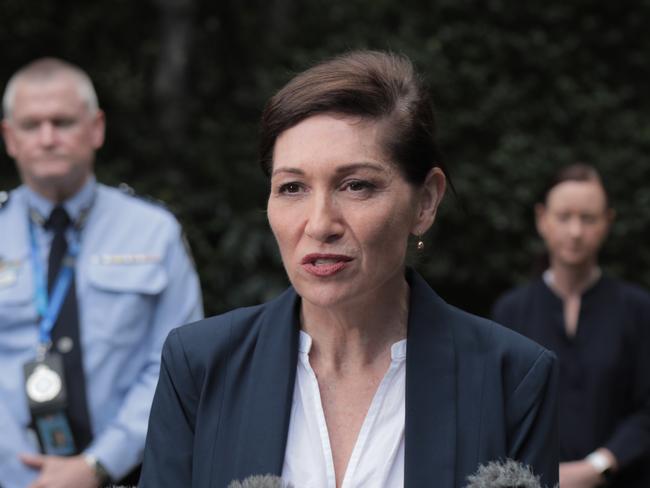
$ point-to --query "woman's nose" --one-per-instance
(575, 227)
(324, 221)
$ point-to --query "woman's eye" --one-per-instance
(359, 185)
(563, 217)
(290, 188)
(589, 219)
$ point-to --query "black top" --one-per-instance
(604, 369)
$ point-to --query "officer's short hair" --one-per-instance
(46, 69)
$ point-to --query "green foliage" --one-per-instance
(520, 88)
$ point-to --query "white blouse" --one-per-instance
(377, 459)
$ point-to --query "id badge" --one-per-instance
(47, 399)
(54, 434)
(45, 384)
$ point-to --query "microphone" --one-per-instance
(504, 474)
(260, 481)
(495, 474)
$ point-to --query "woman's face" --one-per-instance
(574, 222)
(341, 212)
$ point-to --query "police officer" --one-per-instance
(91, 281)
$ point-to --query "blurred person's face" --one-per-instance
(342, 213)
(574, 222)
(53, 136)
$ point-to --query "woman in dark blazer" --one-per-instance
(359, 374)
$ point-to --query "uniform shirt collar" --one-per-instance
(75, 205)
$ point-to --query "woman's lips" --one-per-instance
(325, 264)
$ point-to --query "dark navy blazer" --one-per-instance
(475, 392)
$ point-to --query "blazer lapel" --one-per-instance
(267, 408)
(430, 431)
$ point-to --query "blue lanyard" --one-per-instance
(48, 308)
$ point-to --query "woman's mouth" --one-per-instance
(325, 264)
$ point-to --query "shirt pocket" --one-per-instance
(121, 299)
(18, 320)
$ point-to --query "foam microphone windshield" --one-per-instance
(506, 474)
(261, 481)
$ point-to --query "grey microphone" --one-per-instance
(496, 474)
(261, 481)
(504, 474)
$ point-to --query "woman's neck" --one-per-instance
(571, 281)
(357, 335)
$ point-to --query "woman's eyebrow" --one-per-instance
(350, 168)
(288, 169)
(343, 169)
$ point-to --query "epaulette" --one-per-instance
(128, 190)
(4, 199)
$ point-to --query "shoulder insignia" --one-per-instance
(128, 190)
(4, 198)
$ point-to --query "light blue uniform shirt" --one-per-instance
(134, 281)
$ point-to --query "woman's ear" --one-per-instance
(430, 196)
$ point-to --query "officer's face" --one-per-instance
(574, 222)
(342, 213)
(53, 136)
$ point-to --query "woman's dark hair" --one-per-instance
(372, 85)
(574, 172)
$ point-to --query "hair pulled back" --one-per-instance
(373, 85)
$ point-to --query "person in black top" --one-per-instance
(599, 328)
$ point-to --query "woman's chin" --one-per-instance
(324, 301)
(328, 297)
(577, 260)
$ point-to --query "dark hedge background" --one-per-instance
(520, 89)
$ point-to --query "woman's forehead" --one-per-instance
(326, 138)
(588, 194)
